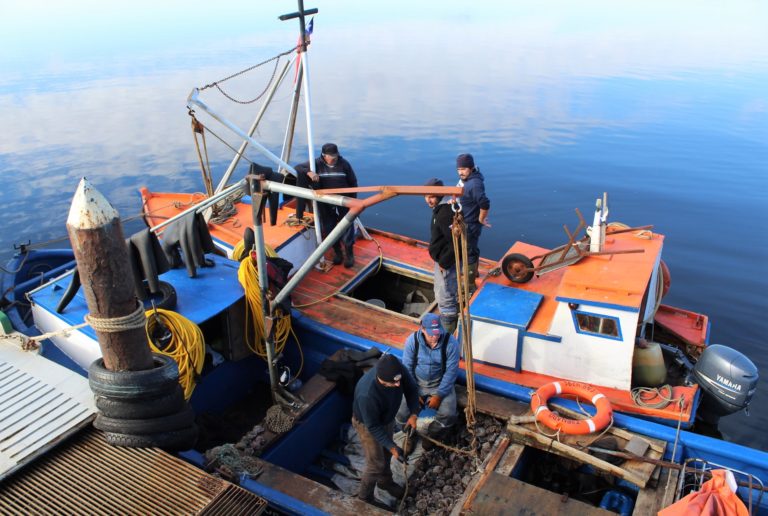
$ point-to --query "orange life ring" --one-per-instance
(571, 426)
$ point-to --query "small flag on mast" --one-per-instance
(307, 32)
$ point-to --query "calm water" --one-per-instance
(665, 107)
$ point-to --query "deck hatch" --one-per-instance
(401, 290)
(507, 305)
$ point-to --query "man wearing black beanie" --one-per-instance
(475, 206)
(377, 399)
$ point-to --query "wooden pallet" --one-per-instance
(576, 447)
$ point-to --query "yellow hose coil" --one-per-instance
(248, 277)
(187, 346)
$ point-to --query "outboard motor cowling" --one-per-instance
(728, 380)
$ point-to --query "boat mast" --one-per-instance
(303, 81)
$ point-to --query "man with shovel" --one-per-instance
(431, 355)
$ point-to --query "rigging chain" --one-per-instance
(216, 84)
(459, 234)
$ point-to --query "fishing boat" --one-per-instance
(589, 311)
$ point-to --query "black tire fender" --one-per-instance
(518, 268)
(156, 425)
(162, 405)
(176, 440)
(148, 383)
(164, 298)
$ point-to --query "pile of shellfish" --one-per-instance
(441, 476)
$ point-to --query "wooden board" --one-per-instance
(575, 447)
(651, 501)
(502, 495)
(313, 493)
(570, 446)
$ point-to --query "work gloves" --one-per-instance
(397, 453)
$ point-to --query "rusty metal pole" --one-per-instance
(107, 279)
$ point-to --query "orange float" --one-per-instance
(571, 426)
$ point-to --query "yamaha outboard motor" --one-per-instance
(728, 380)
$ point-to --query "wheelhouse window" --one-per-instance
(594, 324)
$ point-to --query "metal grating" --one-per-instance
(40, 403)
(88, 476)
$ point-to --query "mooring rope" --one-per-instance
(132, 321)
(459, 234)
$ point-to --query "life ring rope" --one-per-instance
(602, 419)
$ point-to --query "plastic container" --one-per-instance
(648, 367)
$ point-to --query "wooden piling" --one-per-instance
(107, 279)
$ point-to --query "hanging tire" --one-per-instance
(518, 268)
(176, 440)
(162, 405)
(156, 425)
(148, 383)
(165, 297)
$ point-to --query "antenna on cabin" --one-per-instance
(301, 14)
(597, 230)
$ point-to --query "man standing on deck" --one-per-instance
(332, 171)
(441, 251)
(431, 355)
(474, 206)
(377, 398)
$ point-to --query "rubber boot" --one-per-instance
(350, 259)
(449, 322)
(392, 488)
(473, 277)
(365, 493)
(337, 256)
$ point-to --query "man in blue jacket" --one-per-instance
(377, 398)
(431, 355)
(332, 171)
(474, 206)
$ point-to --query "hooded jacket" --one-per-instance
(440, 239)
(474, 198)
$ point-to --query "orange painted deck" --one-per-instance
(160, 206)
(358, 318)
(619, 279)
(316, 296)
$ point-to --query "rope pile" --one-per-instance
(642, 396)
(277, 420)
(225, 208)
(186, 347)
